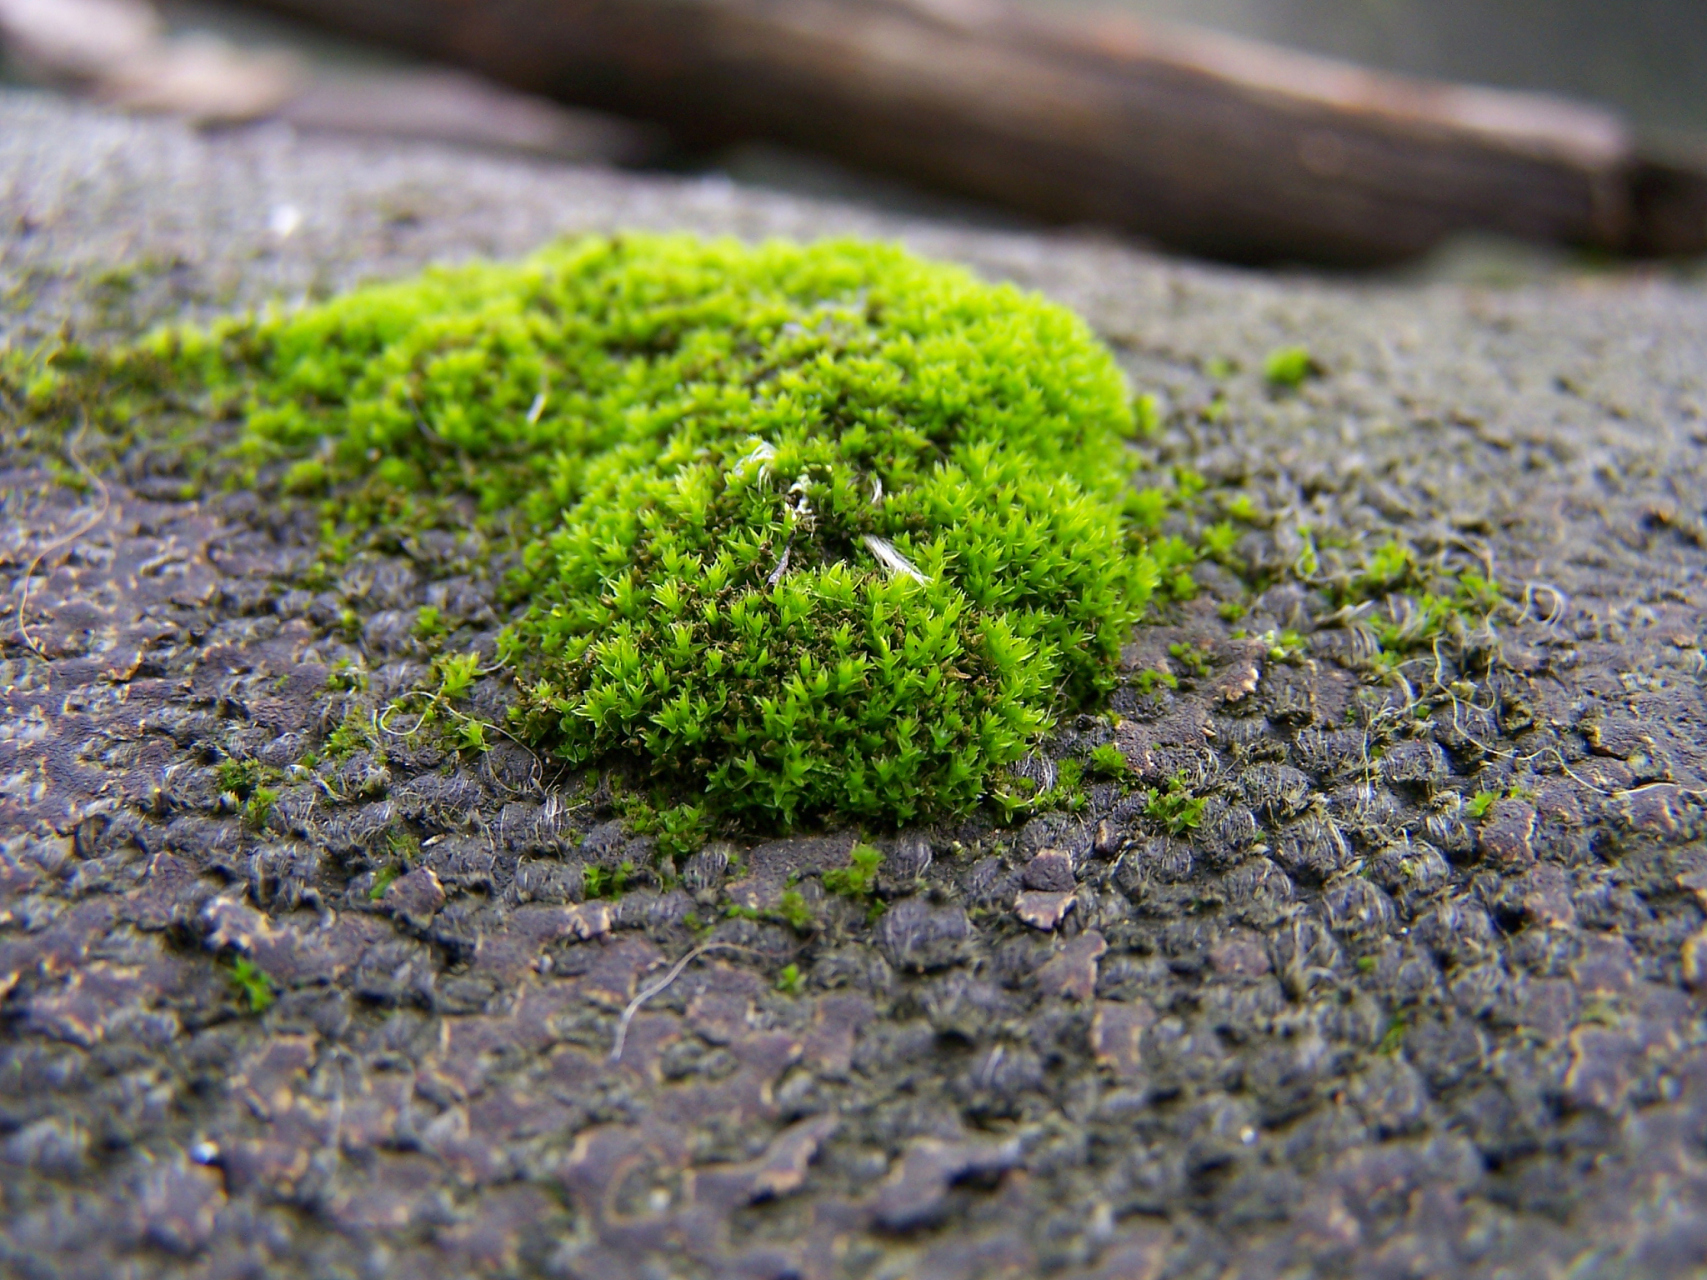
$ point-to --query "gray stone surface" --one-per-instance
(1341, 1027)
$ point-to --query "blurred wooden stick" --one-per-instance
(1202, 142)
(121, 53)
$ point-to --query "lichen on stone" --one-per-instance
(801, 532)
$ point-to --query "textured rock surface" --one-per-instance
(1341, 1026)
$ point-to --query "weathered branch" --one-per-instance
(1203, 142)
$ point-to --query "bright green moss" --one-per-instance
(857, 879)
(253, 985)
(802, 532)
(1289, 366)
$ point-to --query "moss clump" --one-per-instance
(805, 532)
(1290, 366)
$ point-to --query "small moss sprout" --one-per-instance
(1176, 808)
(859, 877)
(1289, 366)
(606, 882)
(1109, 761)
(253, 985)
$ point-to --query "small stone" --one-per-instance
(587, 920)
(1358, 909)
(1240, 957)
(782, 1169)
(1244, 669)
(1415, 764)
(52, 1145)
(1508, 836)
(1117, 1034)
(1696, 883)
(1560, 803)
(1277, 790)
(1412, 868)
(1695, 962)
(1602, 1069)
(1390, 1095)
(907, 861)
(1291, 697)
(1459, 932)
(1235, 832)
(178, 1206)
(1140, 1254)
(1312, 849)
(1072, 971)
(1138, 746)
(1547, 1006)
(1055, 832)
(414, 898)
(918, 937)
(1051, 871)
(1329, 753)
(1616, 737)
(1546, 898)
(915, 1194)
(1043, 910)
(1659, 809)
(1606, 967)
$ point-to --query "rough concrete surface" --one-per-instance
(1345, 1026)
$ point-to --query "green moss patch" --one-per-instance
(800, 532)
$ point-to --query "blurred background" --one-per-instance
(1648, 58)
(1190, 124)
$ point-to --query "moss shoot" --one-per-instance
(801, 532)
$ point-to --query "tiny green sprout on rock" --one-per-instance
(678, 829)
(1393, 1039)
(1149, 680)
(1193, 659)
(258, 807)
(606, 882)
(252, 984)
(430, 622)
(1289, 366)
(1218, 541)
(1020, 797)
(470, 736)
(1176, 808)
(1240, 507)
(857, 879)
(1109, 761)
(793, 910)
(344, 678)
(1283, 645)
(457, 672)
